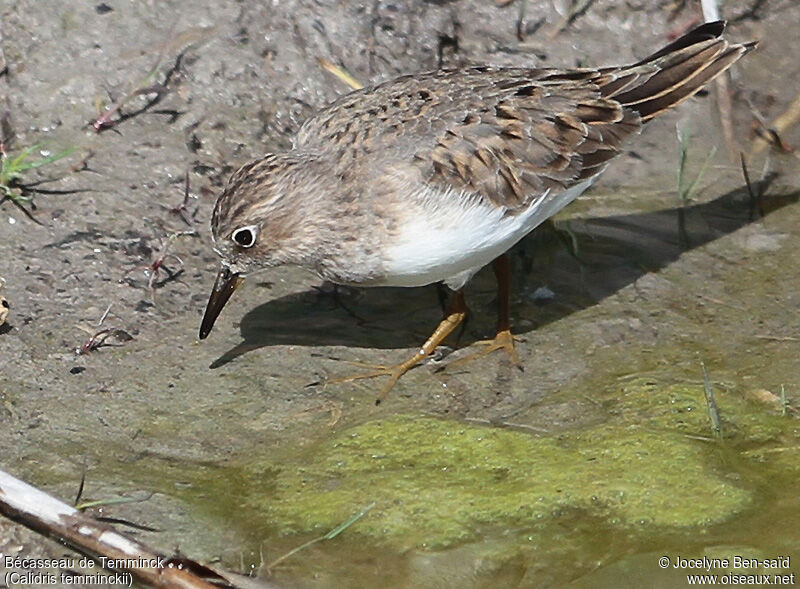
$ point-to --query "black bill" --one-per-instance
(226, 283)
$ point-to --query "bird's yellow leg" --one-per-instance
(503, 340)
(455, 314)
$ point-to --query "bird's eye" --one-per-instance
(245, 236)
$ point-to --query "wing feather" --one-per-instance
(508, 135)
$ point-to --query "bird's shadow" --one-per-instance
(590, 260)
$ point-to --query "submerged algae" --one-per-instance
(651, 465)
(437, 482)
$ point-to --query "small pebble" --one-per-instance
(542, 295)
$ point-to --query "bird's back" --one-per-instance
(510, 134)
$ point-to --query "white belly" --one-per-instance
(450, 238)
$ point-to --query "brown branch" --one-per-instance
(725, 110)
(49, 517)
(780, 125)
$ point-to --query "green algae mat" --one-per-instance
(437, 483)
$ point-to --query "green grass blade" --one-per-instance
(110, 501)
(343, 526)
(683, 151)
(48, 160)
(329, 536)
(711, 403)
(693, 186)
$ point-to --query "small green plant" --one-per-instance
(13, 170)
(329, 536)
(711, 403)
(687, 190)
(784, 402)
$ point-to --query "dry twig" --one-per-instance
(340, 73)
(158, 265)
(100, 338)
(118, 552)
(779, 126)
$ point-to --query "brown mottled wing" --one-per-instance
(509, 134)
(548, 131)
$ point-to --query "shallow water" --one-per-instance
(579, 483)
(586, 495)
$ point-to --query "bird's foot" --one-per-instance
(394, 373)
(455, 315)
(504, 340)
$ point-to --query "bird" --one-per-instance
(429, 177)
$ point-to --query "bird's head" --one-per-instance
(258, 223)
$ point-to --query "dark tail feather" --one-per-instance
(705, 32)
(654, 107)
(674, 73)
